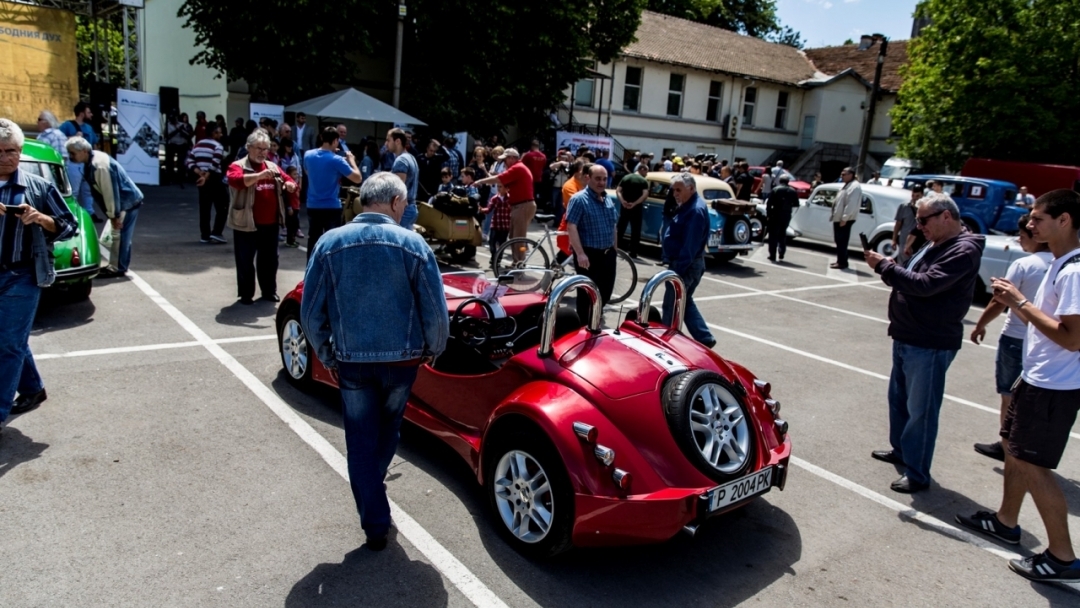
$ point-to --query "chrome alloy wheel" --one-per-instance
(523, 496)
(294, 349)
(720, 429)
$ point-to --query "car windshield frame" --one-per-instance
(55, 174)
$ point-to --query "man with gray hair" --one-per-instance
(374, 311)
(684, 247)
(844, 213)
(32, 216)
(926, 311)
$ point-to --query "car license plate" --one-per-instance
(740, 489)
(714, 239)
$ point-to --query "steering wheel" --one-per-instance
(471, 331)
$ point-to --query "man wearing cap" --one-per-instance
(519, 187)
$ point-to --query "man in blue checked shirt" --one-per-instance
(30, 208)
(684, 246)
(591, 218)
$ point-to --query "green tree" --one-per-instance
(992, 78)
(466, 65)
(751, 17)
(111, 43)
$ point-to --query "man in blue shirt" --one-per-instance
(684, 247)
(591, 217)
(324, 170)
(80, 188)
(407, 169)
(604, 162)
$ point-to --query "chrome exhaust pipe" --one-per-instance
(690, 529)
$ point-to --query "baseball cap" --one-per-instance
(510, 152)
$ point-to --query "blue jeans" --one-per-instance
(120, 250)
(80, 188)
(373, 399)
(19, 296)
(916, 389)
(695, 323)
(409, 217)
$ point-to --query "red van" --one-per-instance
(1038, 178)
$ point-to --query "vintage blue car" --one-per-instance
(730, 233)
(986, 205)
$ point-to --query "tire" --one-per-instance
(972, 225)
(738, 232)
(534, 256)
(508, 505)
(295, 351)
(882, 244)
(757, 229)
(710, 422)
(625, 277)
(459, 254)
(78, 292)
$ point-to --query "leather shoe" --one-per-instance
(271, 297)
(991, 450)
(25, 403)
(836, 266)
(904, 485)
(889, 456)
(375, 543)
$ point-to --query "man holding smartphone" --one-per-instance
(30, 208)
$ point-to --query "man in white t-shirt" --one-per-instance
(1047, 397)
(1026, 274)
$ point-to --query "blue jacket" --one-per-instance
(687, 235)
(118, 193)
(373, 293)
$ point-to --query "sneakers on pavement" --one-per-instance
(986, 522)
(217, 238)
(1042, 567)
(204, 241)
(292, 245)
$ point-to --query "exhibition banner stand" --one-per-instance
(138, 136)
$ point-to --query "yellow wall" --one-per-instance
(38, 63)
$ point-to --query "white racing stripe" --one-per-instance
(991, 410)
(145, 348)
(450, 567)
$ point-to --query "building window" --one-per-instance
(583, 92)
(749, 101)
(781, 110)
(674, 96)
(632, 89)
(712, 111)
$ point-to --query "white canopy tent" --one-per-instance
(350, 104)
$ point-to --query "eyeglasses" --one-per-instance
(922, 220)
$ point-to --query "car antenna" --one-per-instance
(618, 324)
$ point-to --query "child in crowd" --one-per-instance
(447, 179)
(498, 209)
(468, 176)
(292, 211)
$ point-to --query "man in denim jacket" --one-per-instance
(374, 310)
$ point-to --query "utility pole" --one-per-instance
(868, 126)
(397, 52)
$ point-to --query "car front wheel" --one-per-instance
(530, 494)
(295, 352)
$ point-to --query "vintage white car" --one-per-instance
(999, 252)
(877, 216)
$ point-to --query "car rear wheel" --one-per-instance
(757, 228)
(883, 245)
(530, 494)
(77, 292)
(295, 352)
(711, 423)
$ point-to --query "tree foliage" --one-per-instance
(751, 17)
(466, 65)
(111, 44)
(993, 78)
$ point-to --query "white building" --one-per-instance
(688, 88)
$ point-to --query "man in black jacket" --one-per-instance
(926, 310)
(778, 213)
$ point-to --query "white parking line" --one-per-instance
(450, 567)
(789, 268)
(991, 410)
(146, 347)
(759, 292)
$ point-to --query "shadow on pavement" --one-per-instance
(368, 578)
(56, 313)
(16, 448)
(259, 315)
(1070, 487)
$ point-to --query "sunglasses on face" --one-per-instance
(923, 219)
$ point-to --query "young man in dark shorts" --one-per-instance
(1046, 397)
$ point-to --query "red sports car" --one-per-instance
(583, 436)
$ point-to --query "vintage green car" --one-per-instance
(78, 259)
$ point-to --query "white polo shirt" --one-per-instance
(1046, 364)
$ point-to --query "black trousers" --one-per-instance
(319, 222)
(292, 225)
(213, 196)
(256, 257)
(175, 157)
(777, 234)
(841, 235)
(633, 218)
(602, 272)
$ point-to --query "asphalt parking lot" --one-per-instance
(173, 465)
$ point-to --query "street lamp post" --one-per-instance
(402, 12)
(865, 43)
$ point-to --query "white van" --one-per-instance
(877, 216)
(896, 169)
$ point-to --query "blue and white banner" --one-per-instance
(138, 138)
(267, 110)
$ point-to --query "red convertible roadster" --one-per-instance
(583, 436)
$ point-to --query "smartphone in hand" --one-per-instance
(865, 241)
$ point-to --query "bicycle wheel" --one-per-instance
(625, 277)
(529, 253)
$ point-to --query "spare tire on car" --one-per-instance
(709, 420)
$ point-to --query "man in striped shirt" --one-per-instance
(205, 161)
(28, 204)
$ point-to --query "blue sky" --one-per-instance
(830, 22)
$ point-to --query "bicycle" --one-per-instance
(532, 254)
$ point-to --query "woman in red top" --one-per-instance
(519, 193)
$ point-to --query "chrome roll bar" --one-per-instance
(596, 310)
(654, 283)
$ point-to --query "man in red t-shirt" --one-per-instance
(518, 180)
(536, 161)
(257, 189)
